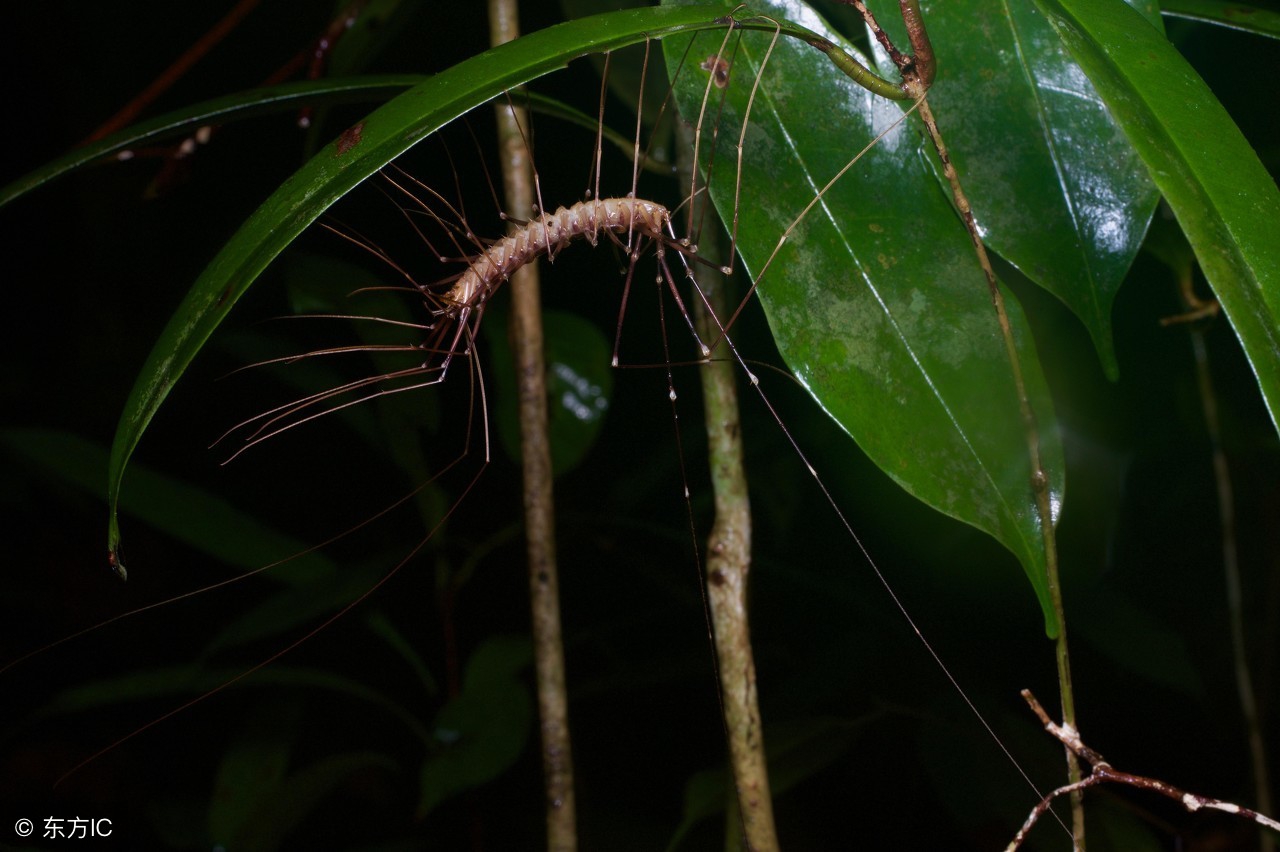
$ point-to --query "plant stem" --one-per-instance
(917, 75)
(535, 450)
(729, 549)
(1230, 557)
(1039, 477)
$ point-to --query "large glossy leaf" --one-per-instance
(1055, 187)
(876, 300)
(358, 153)
(1222, 196)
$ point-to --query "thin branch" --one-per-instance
(535, 450)
(1039, 476)
(729, 551)
(1196, 308)
(917, 75)
(1101, 772)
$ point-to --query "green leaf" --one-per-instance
(579, 386)
(1055, 187)
(252, 767)
(1237, 16)
(298, 797)
(876, 300)
(285, 97)
(1222, 196)
(483, 730)
(385, 628)
(377, 23)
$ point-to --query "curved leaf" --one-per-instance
(1056, 188)
(296, 799)
(173, 125)
(483, 729)
(1237, 16)
(1222, 196)
(343, 164)
(876, 300)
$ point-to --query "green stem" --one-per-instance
(535, 450)
(729, 551)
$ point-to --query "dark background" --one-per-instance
(881, 748)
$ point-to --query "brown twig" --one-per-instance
(174, 72)
(917, 75)
(1039, 477)
(922, 64)
(1101, 772)
(535, 450)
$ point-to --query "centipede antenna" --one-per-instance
(282, 412)
(361, 241)
(282, 409)
(276, 414)
(259, 436)
(427, 210)
(360, 318)
(333, 350)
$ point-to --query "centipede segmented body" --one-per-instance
(551, 232)
(546, 235)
